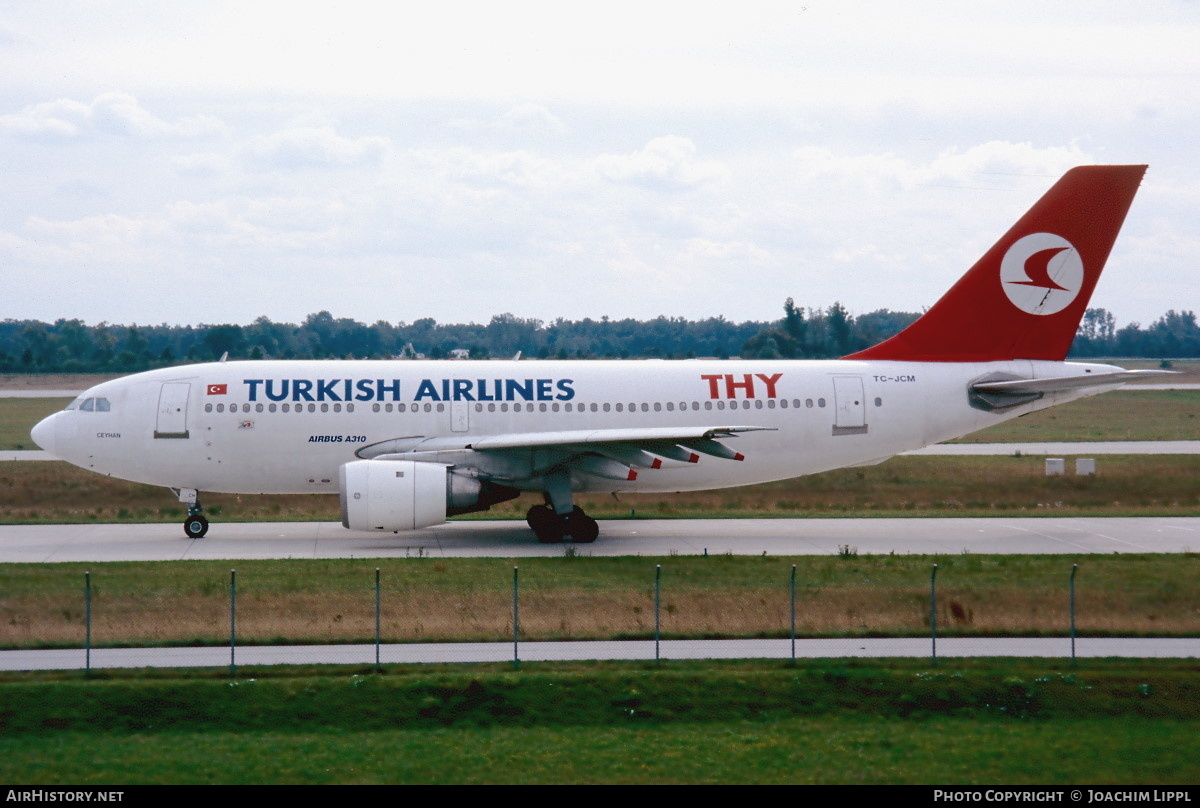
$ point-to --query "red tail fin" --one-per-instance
(1025, 297)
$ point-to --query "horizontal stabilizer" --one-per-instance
(1066, 382)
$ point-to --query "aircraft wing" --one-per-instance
(609, 453)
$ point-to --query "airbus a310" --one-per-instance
(406, 444)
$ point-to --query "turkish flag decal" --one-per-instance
(218, 389)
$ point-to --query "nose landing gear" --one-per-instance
(195, 526)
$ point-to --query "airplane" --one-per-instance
(406, 444)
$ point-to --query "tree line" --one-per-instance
(71, 346)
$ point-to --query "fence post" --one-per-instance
(516, 623)
(793, 613)
(378, 638)
(1074, 568)
(657, 587)
(933, 612)
(87, 622)
(232, 622)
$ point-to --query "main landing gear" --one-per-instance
(560, 519)
(195, 526)
(550, 528)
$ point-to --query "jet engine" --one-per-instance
(400, 495)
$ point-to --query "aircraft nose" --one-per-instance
(43, 433)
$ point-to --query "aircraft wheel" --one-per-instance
(582, 528)
(545, 524)
(195, 527)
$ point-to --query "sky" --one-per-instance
(213, 162)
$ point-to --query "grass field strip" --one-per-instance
(620, 608)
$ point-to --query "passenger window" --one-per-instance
(820, 402)
(220, 408)
(208, 407)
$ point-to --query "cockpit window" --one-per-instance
(90, 405)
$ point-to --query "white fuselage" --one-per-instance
(286, 426)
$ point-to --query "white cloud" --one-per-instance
(315, 147)
(202, 164)
(110, 113)
(667, 162)
(531, 118)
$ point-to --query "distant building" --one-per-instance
(460, 353)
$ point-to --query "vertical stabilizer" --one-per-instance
(1025, 297)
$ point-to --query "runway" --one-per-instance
(631, 537)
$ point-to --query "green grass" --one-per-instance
(1127, 414)
(19, 415)
(470, 599)
(738, 722)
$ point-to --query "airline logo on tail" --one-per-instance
(1041, 273)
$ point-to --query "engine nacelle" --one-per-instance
(392, 494)
(405, 494)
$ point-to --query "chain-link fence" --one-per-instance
(342, 612)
